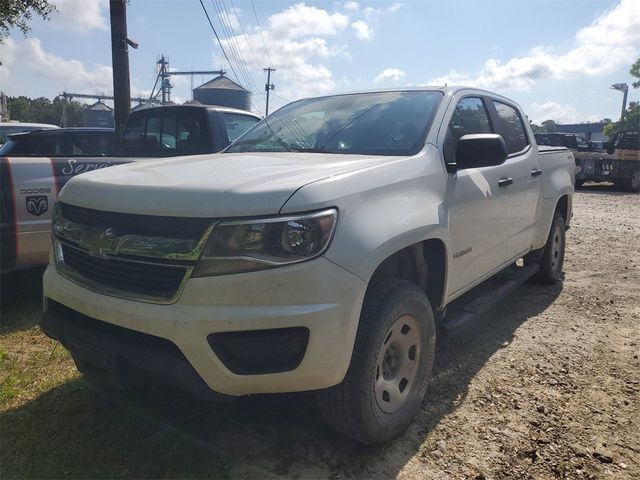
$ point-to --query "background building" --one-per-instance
(98, 115)
(224, 92)
(590, 131)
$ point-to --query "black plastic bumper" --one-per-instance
(122, 358)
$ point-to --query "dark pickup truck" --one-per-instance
(35, 166)
(619, 163)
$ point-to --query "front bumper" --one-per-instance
(318, 295)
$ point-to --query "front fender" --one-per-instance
(382, 209)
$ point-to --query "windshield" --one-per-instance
(387, 123)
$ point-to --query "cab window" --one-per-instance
(236, 124)
(469, 117)
(511, 128)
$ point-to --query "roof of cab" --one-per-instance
(58, 131)
(216, 108)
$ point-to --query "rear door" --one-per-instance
(523, 167)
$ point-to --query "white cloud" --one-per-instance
(351, 6)
(389, 74)
(230, 18)
(374, 13)
(300, 20)
(301, 38)
(362, 30)
(80, 15)
(559, 113)
(610, 42)
(26, 66)
(298, 40)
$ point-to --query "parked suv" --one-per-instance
(34, 167)
(326, 249)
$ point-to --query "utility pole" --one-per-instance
(624, 88)
(120, 62)
(268, 86)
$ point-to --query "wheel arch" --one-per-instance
(423, 263)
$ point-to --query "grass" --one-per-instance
(53, 425)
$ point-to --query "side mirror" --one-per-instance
(480, 150)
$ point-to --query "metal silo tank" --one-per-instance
(224, 92)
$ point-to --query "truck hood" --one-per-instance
(219, 185)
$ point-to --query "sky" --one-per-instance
(557, 59)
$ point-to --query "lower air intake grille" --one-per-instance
(142, 279)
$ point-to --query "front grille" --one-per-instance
(136, 279)
(132, 224)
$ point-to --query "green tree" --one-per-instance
(43, 110)
(631, 121)
(536, 128)
(635, 72)
(18, 14)
(549, 126)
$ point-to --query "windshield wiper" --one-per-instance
(311, 149)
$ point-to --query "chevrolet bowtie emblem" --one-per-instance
(100, 242)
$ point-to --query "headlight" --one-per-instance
(246, 245)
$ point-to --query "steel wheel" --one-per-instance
(397, 363)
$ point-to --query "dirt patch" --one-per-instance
(546, 386)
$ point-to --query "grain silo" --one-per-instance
(224, 92)
(98, 115)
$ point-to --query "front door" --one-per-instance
(479, 207)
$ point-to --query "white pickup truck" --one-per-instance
(325, 249)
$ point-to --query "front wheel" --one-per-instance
(552, 258)
(390, 367)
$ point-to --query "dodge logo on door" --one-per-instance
(37, 205)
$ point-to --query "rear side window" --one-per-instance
(469, 117)
(37, 145)
(237, 124)
(92, 144)
(511, 127)
(165, 134)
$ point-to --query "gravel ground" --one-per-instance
(547, 385)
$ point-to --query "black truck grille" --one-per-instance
(128, 223)
(136, 279)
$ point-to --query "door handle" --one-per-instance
(536, 172)
(503, 182)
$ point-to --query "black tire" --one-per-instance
(552, 258)
(631, 184)
(579, 184)
(356, 407)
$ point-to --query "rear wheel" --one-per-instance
(390, 366)
(631, 184)
(552, 258)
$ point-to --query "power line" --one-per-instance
(260, 30)
(236, 53)
(253, 53)
(219, 42)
